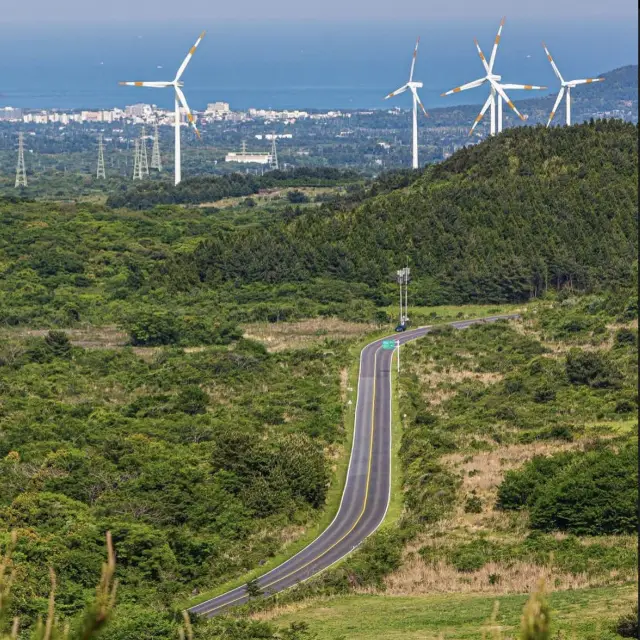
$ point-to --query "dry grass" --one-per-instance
(417, 577)
(108, 337)
(278, 336)
(482, 473)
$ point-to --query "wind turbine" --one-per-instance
(413, 86)
(564, 84)
(179, 100)
(497, 93)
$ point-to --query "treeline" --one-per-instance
(529, 210)
(197, 190)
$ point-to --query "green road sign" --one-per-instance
(388, 344)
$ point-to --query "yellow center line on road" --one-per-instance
(355, 524)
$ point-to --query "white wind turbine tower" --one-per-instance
(413, 86)
(565, 85)
(497, 92)
(179, 100)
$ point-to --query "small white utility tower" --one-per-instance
(21, 173)
(403, 281)
(100, 173)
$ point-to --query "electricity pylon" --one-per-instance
(100, 172)
(144, 163)
(274, 153)
(156, 163)
(21, 173)
(137, 175)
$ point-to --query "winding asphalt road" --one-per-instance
(367, 490)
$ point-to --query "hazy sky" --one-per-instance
(324, 10)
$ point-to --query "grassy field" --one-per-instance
(587, 613)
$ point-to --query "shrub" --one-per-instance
(58, 344)
(591, 368)
(153, 328)
(192, 400)
(626, 337)
(591, 493)
(297, 197)
(473, 504)
(627, 625)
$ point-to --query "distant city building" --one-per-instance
(217, 108)
(248, 158)
(140, 110)
(10, 113)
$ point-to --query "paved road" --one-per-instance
(367, 490)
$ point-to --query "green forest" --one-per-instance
(136, 397)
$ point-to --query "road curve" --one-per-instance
(366, 494)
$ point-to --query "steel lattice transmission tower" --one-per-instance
(144, 163)
(137, 175)
(21, 173)
(274, 153)
(156, 162)
(100, 172)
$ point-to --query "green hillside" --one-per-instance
(529, 210)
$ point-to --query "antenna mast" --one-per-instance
(100, 172)
(21, 174)
(156, 163)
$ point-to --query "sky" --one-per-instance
(154, 11)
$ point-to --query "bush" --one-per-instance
(297, 197)
(192, 400)
(591, 493)
(591, 368)
(58, 344)
(627, 625)
(153, 328)
(473, 505)
(626, 337)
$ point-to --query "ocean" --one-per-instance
(293, 65)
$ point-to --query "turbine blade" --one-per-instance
(505, 97)
(528, 87)
(481, 114)
(555, 106)
(402, 89)
(185, 62)
(413, 60)
(553, 64)
(183, 102)
(146, 84)
(496, 42)
(484, 60)
(464, 87)
(584, 81)
(415, 93)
